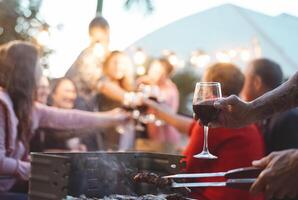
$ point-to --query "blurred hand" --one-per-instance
(120, 116)
(75, 145)
(144, 80)
(151, 104)
(137, 99)
(133, 99)
(234, 113)
(157, 108)
(280, 177)
(23, 171)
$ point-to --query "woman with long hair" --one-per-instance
(165, 137)
(20, 115)
(118, 80)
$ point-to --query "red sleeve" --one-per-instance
(235, 148)
(191, 127)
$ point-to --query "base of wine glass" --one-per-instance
(205, 155)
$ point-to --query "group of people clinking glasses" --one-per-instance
(81, 113)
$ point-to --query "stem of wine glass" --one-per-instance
(205, 146)
(205, 154)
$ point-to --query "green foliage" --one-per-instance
(147, 5)
(186, 80)
(19, 20)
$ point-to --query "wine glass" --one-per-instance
(204, 96)
(151, 92)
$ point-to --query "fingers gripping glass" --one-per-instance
(204, 96)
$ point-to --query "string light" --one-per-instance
(223, 57)
(245, 55)
(232, 53)
(173, 59)
(199, 58)
(139, 57)
(141, 70)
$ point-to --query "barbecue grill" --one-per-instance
(97, 174)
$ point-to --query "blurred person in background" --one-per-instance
(279, 177)
(43, 90)
(63, 95)
(116, 82)
(21, 115)
(159, 73)
(280, 130)
(42, 94)
(235, 148)
(87, 68)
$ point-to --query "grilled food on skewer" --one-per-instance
(152, 178)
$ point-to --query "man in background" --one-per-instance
(280, 130)
(87, 68)
(279, 177)
(235, 148)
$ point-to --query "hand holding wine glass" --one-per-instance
(151, 92)
(204, 96)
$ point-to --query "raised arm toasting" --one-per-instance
(279, 178)
(20, 116)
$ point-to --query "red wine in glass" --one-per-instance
(153, 99)
(142, 108)
(204, 96)
(206, 111)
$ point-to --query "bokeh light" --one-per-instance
(43, 38)
(139, 57)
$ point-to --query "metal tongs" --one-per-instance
(241, 178)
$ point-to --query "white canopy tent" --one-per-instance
(229, 27)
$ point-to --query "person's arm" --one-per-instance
(65, 119)
(163, 112)
(112, 91)
(144, 80)
(236, 113)
(279, 178)
(10, 166)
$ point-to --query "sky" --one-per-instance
(127, 26)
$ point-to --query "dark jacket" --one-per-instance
(281, 133)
